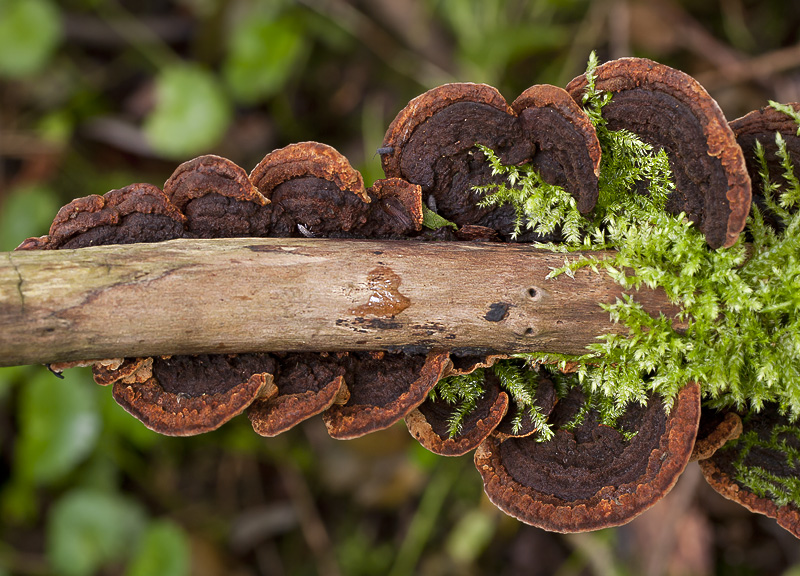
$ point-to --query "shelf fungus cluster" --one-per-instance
(589, 475)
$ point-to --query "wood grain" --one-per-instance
(270, 294)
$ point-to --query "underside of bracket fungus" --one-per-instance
(429, 423)
(591, 477)
(384, 387)
(671, 110)
(763, 455)
(762, 125)
(432, 142)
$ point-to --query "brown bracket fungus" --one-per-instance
(384, 387)
(545, 400)
(764, 455)
(716, 428)
(432, 142)
(218, 199)
(135, 213)
(429, 423)
(307, 385)
(671, 110)
(591, 477)
(762, 125)
(567, 149)
(189, 395)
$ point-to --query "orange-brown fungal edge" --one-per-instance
(107, 372)
(715, 430)
(611, 505)
(766, 121)
(180, 415)
(409, 195)
(83, 214)
(307, 159)
(631, 73)
(420, 428)
(559, 100)
(788, 516)
(347, 422)
(272, 416)
(204, 174)
(467, 364)
(426, 105)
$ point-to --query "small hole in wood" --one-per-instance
(528, 331)
(532, 292)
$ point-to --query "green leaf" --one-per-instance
(59, 426)
(27, 211)
(88, 529)
(191, 114)
(432, 220)
(263, 54)
(164, 550)
(29, 33)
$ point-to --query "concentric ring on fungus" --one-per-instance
(763, 453)
(591, 478)
(671, 110)
(432, 142)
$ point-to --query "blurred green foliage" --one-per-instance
(97, 94)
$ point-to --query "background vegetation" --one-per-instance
(96, 95)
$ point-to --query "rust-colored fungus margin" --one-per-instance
(189, 395)
(307, 385)
(384, 387)
(591, 477)
(671, 110)
(432, 142)
(716, 428)
(762, 453)
(429, 423)
(135, 213)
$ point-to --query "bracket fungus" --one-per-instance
(671, 110)
(432, 142)
(384, 387)
(307, 384)
(764, 456)
(591, 477)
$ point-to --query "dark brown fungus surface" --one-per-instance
(433, 144)
(189, 395)
(395, 210)
(591, 477)
(307, 384)
(670, 110)
(761, 125)
(546, 399)
(716, 428)
(135, 213)
(429, 423)
(764, 452)
(384, 387)
(313, 190)
(218, 199)
(567, 149)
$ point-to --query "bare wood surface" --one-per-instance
(270, 294)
